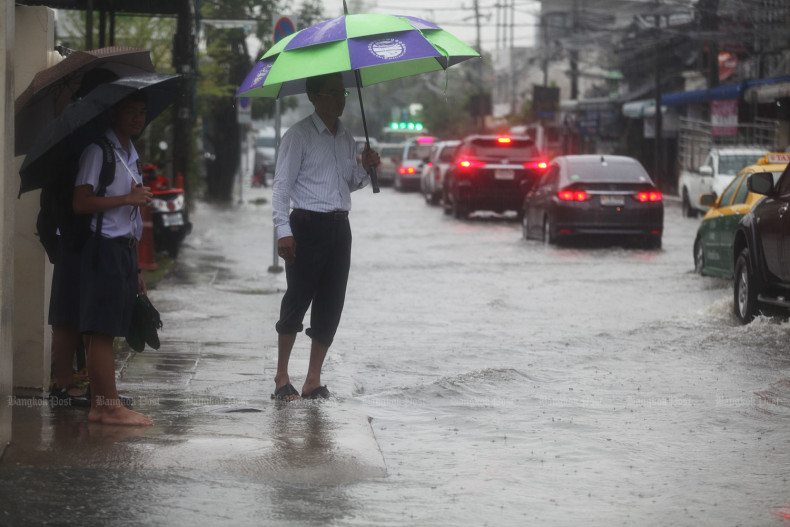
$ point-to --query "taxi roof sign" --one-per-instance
(775, 158)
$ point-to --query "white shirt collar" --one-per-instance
(321, 127)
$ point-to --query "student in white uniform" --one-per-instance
(109, 276)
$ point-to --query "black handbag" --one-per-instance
(145, 323)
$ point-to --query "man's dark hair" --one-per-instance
(314, 84)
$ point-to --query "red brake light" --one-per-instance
(573, 195)
(536, 165)
(470, 163)
(407, 170)
(652, 195)
(504, 140)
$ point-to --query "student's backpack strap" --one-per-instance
(106, 176)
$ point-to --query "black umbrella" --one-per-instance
(83, 120)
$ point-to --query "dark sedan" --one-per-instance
(586, 195)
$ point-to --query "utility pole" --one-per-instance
(574, 54)
(512, 57)
(658, 128)
(479, 105)
(709, 20)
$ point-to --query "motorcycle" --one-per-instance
(169, 210)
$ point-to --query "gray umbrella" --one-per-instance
(83, 120)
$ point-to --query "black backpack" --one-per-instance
(56, 209)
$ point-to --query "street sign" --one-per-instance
(283, 27)
(244, 110)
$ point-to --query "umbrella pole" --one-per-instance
(374, 179)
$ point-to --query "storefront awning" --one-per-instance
(724, 92)
(767, 93)
(640, 109)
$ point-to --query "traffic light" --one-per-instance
(403, 125)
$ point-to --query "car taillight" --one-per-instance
(536, 165)
(652, 195)
(470, 163)
(407, 170)
(504, 140)
(573, 195)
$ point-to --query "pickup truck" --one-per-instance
(720, 168)
(761, 249)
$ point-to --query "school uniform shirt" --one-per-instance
(315, 171)
(121, 221)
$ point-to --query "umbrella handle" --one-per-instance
(374, 179)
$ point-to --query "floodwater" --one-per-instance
(507, 383)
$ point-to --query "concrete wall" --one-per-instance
(6, 218)
(32, 271)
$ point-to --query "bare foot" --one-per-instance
(118, 415)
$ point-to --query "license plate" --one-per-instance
(504, 174)
(173, 220)
(612, 201)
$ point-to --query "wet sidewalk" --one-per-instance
(220, 448)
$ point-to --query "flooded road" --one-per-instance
(515, 382)
(507, 382)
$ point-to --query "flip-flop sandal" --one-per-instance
(319, 393)
(285, 391)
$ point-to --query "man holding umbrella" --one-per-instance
(315, 175)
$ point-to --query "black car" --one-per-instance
(761, 250)
(584, 195)
(491, 172)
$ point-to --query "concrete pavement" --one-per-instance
(207, 390)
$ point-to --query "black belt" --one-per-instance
(124, 240)
(337, 215)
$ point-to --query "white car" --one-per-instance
(720, 168)
(432, 178)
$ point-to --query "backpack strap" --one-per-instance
(106, 176)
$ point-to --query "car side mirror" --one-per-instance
(707, 200)
(760, 183)
(706, 170)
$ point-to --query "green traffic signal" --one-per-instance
(406, 126)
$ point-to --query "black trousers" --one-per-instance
(318, 274)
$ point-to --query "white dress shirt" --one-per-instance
(119, 221)
(315, 171)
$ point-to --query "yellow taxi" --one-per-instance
(713, 244)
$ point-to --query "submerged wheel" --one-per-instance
(524, 226)
(745, 289)
(548, 236)
(699, 256)
(688, 210)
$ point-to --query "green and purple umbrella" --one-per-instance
(365, 49)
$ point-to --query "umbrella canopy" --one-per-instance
(52, 89)
(379, 47)
(82, 120)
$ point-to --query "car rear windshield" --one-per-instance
(419, 150)
(265, 141)
(607, 172)
(391, 151)
(516, 148)
(732, 164)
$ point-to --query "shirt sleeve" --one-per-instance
(90, 166)
(360, 178)
(289, 159)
